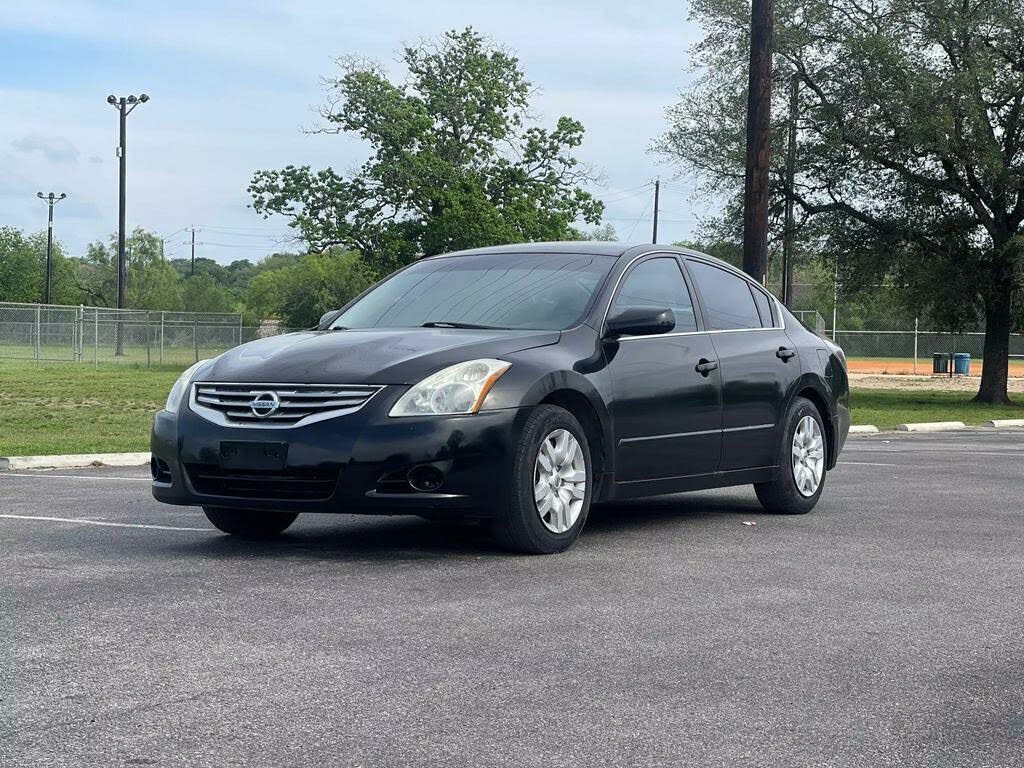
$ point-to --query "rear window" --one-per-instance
(763, 306)
(726, 298)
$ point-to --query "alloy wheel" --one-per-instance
(808, 456)
(559, 481)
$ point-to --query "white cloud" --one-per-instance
(232, 83)
(56, 149)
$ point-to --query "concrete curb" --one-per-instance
(863, 429)
(931, 426)
(1005, 423)
(75, 460)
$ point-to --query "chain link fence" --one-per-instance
(54, 333)
(42, 332)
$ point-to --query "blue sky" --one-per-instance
(233, 84)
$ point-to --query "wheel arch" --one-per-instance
(578, 395)
(813, 389)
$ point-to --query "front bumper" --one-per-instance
(357, 463)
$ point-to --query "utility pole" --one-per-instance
(759, 102)
(50, 200)
(789, 224)
(193, 251)
(124, 106)
(657, 190)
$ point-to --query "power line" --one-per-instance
(638, 220)
(651, 218)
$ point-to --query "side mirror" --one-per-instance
(327, 316)
(640, 321)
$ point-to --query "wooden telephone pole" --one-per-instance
(759, 107)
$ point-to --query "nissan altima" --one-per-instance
(518, 384)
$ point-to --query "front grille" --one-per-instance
(298, 404)
(304, 485)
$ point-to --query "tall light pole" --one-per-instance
(124, 106)
(50, 200)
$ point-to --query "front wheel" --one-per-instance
(249, 524)
(552, 484)
(803, 453)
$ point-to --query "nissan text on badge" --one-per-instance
(518, 384)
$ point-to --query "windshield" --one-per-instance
(547, 291)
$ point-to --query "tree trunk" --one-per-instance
(996, 365)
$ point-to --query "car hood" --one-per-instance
(366, 356)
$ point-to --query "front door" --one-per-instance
(758, 363)
(666, 413)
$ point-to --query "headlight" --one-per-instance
(459, 388)
(181, 387)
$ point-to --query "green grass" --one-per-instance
(885, 408)
(76, 408)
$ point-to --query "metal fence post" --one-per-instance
(80, 329)
(39, 329)
(835, 303)
(96, 337)
(149, 357)
(195, 337)
(162, 338)
(915, 345)
(239, 329)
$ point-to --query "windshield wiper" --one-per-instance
(450, 324)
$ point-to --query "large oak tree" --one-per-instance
(910, 155)
(455, 160)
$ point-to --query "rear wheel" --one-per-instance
(249, 524)
(803, 452)
(552, 484)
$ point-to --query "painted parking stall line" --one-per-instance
(48, 476)
(104, 523)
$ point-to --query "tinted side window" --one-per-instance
(763, 307)
(728, 304)
(658, 283)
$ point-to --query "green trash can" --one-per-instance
(940, 362)
(962, 364)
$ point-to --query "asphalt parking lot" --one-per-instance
(883, 629)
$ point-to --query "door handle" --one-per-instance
(784, 353)
(705, 367)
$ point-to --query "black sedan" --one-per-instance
(519, 384)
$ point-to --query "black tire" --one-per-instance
(521, 529)
(781, 496)
(249, 524)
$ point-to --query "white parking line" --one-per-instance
(46, 475)
(866, 464)
(82, 521)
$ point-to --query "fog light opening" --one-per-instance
(425, 478)
(160, 470)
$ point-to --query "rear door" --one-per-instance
(666, 412)
(757, 361)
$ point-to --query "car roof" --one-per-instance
(593, 247)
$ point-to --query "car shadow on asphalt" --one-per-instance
(406, 537)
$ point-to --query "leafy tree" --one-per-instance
(151, 282)
(155, 286)
(20, 279)
(317, 283)
(606, 232)
(453, 162)
(910, 161)
(202, 293)
(96, 275)
(23, 269)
